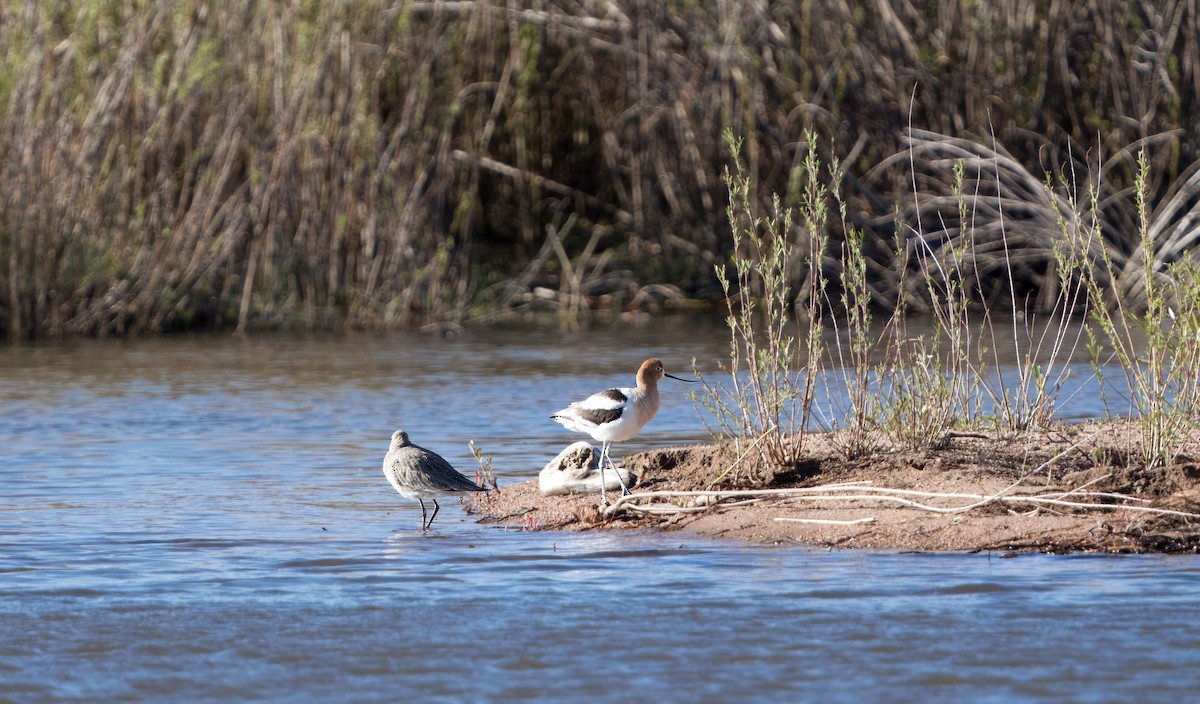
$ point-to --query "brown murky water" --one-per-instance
(203, 519)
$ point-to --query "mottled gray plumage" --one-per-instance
(420, 474)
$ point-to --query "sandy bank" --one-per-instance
(1064, 489)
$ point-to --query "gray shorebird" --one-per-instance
(420, 474)
(616, 415)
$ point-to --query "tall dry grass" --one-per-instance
(176, 163)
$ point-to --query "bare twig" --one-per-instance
(827, 521)
(870, 494)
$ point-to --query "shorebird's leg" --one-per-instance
(424, 524)
(603, 456)
(624, 489)
(435, 510)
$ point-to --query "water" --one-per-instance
(204, 519)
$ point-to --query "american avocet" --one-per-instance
(616, 415)
(420, 474)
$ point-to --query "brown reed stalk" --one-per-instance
(183, 164)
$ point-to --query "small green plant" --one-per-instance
(484, 476)
(857, 347)
(1156, 344)
(1011, 371)
(1041, 349)
(920, 399)
(482, 501)
(935, 381)
(765, 405)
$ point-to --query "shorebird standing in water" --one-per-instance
(420, 474)
(616, 415)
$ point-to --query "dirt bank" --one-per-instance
(1066, 489)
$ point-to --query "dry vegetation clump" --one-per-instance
(182, 164)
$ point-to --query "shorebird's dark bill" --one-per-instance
(690, 381)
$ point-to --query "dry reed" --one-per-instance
(179, 164)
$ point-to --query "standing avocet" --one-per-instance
(616, 415)
(420, 474)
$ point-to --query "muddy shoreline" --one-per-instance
(1070, 488)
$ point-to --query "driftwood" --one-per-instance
(864, 492)
(880, 495)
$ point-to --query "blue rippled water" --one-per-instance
(205, 520)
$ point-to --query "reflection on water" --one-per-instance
(205, 519)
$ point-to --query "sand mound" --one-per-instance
(905, 499)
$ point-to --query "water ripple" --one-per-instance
(224, 534)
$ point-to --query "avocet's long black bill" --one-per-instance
(690, 381)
